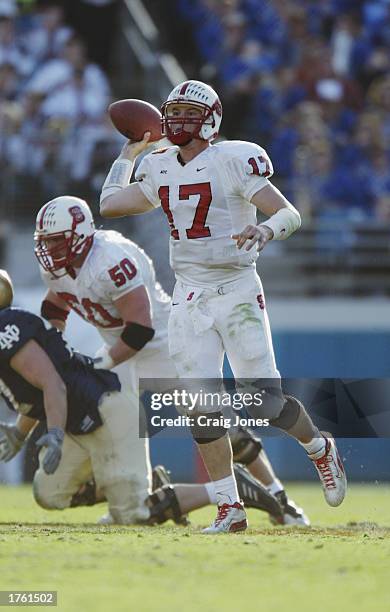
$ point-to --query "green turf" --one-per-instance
(341, 564)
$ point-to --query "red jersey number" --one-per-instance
(198, 228)
(261, 166)
(123, 272)
(91, 311)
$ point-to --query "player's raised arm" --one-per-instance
(118, 198)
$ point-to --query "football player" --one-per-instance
(109, 281)
(210, 194)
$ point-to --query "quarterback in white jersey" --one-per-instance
(210, 195)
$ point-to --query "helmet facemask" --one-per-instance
(61, 256)
(174, 127)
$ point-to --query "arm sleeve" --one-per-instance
(249, 168)
(16, 329)
(144, 177)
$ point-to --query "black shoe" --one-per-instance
(292, 515)
(255, 495)
(160, 478)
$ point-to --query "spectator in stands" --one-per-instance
(73, 87)
(11, 50)
(47, 38)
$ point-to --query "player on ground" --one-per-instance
(98, 274)
(210, 195)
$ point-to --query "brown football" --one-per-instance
(133, 118)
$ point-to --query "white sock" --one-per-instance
(226, 490)
(315, 446)
(275, 487)
(210, 488)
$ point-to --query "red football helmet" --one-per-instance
(198, 95)
(64, 231)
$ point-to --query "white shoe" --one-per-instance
(106, 519)
(230, 518)
(331, 472)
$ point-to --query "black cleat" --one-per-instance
(292, 515)
(160, 478)
(255, 495)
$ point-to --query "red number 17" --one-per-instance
(198, 228)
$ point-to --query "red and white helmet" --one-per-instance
(207, 125)
(65, 217)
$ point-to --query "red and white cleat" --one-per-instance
(230, 518)
(331, 472)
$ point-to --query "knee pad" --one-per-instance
(289, 415)
(85, 496)
(272, 404)
(245, 445)
(163, 505)
(208, 427)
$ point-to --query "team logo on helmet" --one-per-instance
(77, 214)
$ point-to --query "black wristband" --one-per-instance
(136, 335)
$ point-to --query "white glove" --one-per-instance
(11, 441)
(103, 359)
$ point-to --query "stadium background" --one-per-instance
(309, 81)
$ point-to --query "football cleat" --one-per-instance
(160, 478)
(231, 518)
(255, 495)
(331, 472)
(292, 515)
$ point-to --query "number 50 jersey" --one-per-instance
(207, 200)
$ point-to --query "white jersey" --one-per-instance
(206, 201)
(113, 267)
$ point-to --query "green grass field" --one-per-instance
(341, 563)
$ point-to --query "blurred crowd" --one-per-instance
(54, 131)
(310, 81)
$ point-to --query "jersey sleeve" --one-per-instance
(144, 177)
(249, 169)
(118, 274)
(17, 327)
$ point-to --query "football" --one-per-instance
(133, 118)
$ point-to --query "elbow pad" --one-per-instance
(284, 223)
(50, 311)
(136, 335)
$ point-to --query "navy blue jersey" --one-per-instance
(85, 386)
